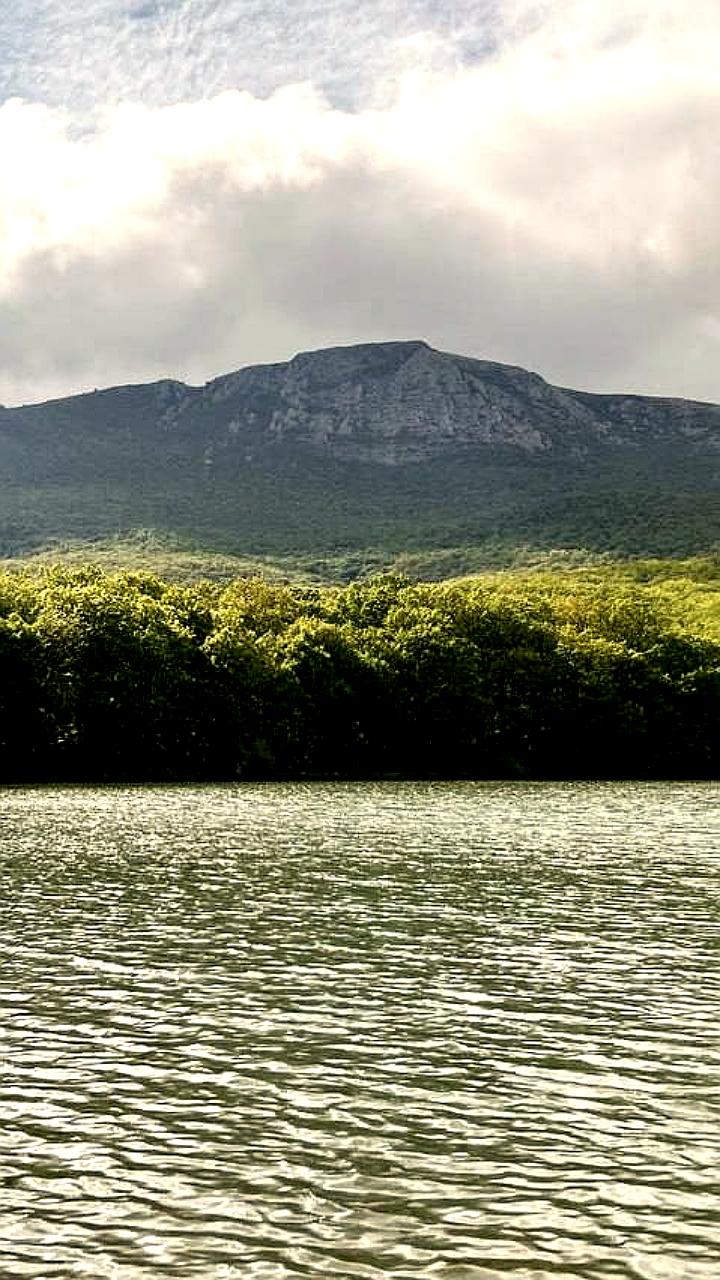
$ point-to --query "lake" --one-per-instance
(362, 1030)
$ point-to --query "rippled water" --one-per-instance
(392, 1030)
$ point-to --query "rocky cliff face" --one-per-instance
(389, 403)
(403, 401)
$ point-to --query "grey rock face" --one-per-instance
(403, 401)
(389, 403)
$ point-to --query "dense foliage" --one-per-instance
(125, 676)
(310, 507)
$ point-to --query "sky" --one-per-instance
(190, 186)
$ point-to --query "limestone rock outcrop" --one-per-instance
(388, 403)
(399, 402)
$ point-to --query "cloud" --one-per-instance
(552, 205)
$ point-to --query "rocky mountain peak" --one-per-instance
(393, 402)
(384, 402)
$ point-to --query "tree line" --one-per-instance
(123, 676)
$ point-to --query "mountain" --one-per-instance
(403, 401)
(390, 403)
(390, 446)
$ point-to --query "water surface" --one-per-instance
(406, 1030)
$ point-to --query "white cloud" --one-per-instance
(553, 205)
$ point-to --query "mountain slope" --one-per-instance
(388, 445)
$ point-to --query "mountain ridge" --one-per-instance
(393, 447)
(386, 402)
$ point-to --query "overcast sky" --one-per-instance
(188, 186)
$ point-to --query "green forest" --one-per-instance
(603, 672)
